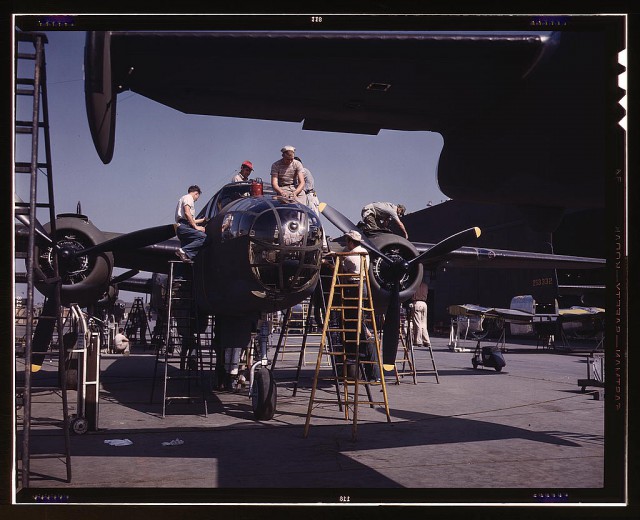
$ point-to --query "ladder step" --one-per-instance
(29, 124)
(25, 92)
(25, 81)
(24, 167)
(349, 307)
(26, 56)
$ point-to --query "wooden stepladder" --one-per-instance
(350, 298)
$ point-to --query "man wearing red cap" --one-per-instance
(245, 170)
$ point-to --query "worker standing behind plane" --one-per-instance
(312, 198)
(191, 234)
(419, 318)
(245, 171)
(309, 188)
(284, 173)
(378, 216)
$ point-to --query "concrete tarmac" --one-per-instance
(527, 434)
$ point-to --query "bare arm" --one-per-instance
(192, 222)
(300, 183)
(404, 230)
(275, 185)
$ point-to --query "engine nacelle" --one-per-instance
(85, 278)
(393, 246)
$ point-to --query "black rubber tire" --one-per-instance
(79, 426)
(498, 369)
(264, 395)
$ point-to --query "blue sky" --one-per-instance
(159, 152)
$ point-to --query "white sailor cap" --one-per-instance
(288, 148)
(354, 235)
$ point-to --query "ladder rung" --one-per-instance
(23, 167)
(25, 92)
(26, 56)
(25, 81)
(29, 124)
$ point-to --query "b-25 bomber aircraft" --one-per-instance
(248, 266)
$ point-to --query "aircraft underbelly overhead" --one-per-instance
(346, 82)
(417, 82)
(523, 116)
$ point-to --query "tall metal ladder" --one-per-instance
(350, 327)
(35, 89)
(178, 347)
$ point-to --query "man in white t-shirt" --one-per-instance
(121, 342)
(191, 234)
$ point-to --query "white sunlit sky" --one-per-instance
(159, 152)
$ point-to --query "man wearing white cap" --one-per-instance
(245, 170)
(352, 264)
(287, 176)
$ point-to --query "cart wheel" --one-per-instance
(498, 369)
(474, 362)
(264, 395)
(79, 426)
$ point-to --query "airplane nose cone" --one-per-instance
(285, 252)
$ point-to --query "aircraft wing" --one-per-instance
(580, 313)
(509, 315)
(153, 258)
(507, 259)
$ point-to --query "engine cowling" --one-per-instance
(381, 280)
(85, 278)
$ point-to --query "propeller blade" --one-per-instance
(124, 276)
(345, 225)
(391, 329)
(133, 240)
(40, 231)
(447, 245)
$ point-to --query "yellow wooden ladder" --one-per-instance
(350, 297)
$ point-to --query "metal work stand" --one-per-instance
(178, 346)
(408, 355)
